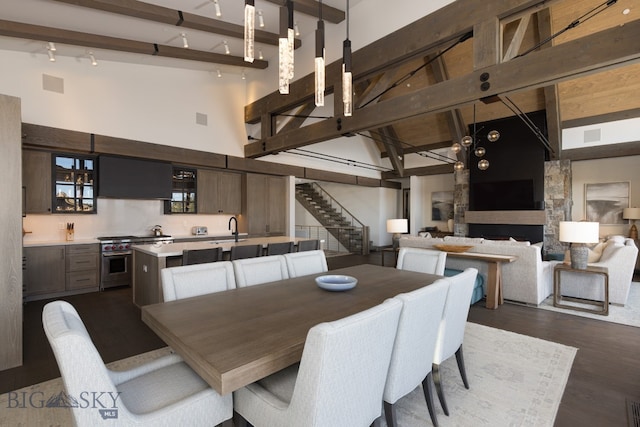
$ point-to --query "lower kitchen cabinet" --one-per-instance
(264, 205)
(53, 271)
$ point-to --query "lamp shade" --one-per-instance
(397, 225)
(631, 213)
(579, 231)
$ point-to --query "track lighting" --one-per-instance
(52, 46)
(52, 56)
(243, 76)
(260, 55)
(260, 19)
(249, 30)
(217, 6)
(226, 47)
(296, 29)
(219, 73)
(93, 59)
(185, 42)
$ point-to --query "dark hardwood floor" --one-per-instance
(606, 370)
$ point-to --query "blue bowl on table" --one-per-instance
(336, 282)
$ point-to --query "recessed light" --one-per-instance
(626, 11)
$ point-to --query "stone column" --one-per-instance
(557, 200)
(460, 202)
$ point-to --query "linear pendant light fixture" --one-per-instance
(285, 47)
(249, 30)
(319, 61)
(347, 78)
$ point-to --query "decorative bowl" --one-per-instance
(453, 248)
(336, 282)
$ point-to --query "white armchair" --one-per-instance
(306, 263)
(422, 260)
(451, 333)
(254, 271)
(414, 347)
(339, 381)
(164, 392)
(197, 279)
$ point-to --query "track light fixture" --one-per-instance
(260, 19)
(52, 47)
(185, 42)
(347, 78)
(243, 76)
(52, 56)
(93, 59)
(219, 73)
(217, 7)
(260, 55)
(226, 47)
(319, 61)
(249, 30)
(296, 29)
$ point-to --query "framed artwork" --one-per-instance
(604, 202)
(441, 205)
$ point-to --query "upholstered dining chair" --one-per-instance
(308, 245)
(280, 248)
(305, 263)
(245, 251)
(413, 350)
(163, 392)
(198, 279)
(422, 260)
(254, 271)
(451, 332)
(201, 256)
(339, 380)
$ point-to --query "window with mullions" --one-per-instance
(183, 192)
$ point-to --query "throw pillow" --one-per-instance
(424, 234)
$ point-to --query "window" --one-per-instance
(73, 184)
(183, 192)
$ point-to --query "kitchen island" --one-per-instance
(148, 260)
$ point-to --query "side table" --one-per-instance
(601, 307)
(395, 251)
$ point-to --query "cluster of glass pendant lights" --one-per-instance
(468, 143)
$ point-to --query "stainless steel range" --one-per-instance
(116, 253)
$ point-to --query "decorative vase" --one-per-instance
(450, 225)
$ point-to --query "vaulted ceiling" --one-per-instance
(415, 89)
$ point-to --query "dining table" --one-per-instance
(239, 336)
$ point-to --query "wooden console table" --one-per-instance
(602, 307)
(494, 274)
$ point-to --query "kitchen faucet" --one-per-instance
(235, 233)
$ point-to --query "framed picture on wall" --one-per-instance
(441, 205)
(604, 202)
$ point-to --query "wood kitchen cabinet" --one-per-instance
(82, 267)
(45, 270)
(264, 205)
(36, 178)
(219, 192)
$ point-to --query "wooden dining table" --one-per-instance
(236, 337)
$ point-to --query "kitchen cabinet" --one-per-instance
(36, 179)
(219, 192)
(82, 267)
(74, 190)
(264, 205)
(45, 270)
(184, 194)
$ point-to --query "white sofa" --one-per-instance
(619, 256)
(527, 280)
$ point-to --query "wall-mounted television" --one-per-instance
(502, 195)
(133, 178)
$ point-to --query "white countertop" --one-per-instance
(32, 243)
(175, 249)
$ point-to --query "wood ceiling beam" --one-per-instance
(597, 52)
(422, 171)
(427, 34)
(310, 7)
(389, 139)
(93, 41)
(165, 15)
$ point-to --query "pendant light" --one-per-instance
(285, 47)
(249, 30)
(347, 78)
(319, 61)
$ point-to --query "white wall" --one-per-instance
(622, 169)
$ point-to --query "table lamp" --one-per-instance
(578, 234)
(397, 226)
(632, 214)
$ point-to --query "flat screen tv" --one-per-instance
(502, 195)
(132, 178)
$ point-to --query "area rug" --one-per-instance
(627, 315)
(515, 380)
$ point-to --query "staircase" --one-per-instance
(339, 223)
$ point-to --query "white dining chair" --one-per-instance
(163, 392)
(197, 279)
(451, 332)
(339, 380)
(255, 271)
(306, 263)
(413, 350)
(421, 260)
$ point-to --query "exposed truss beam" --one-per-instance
(597, 52)
(310, 7)
(165, 15)
(422, 171)
(551, 97)
(93, 41)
